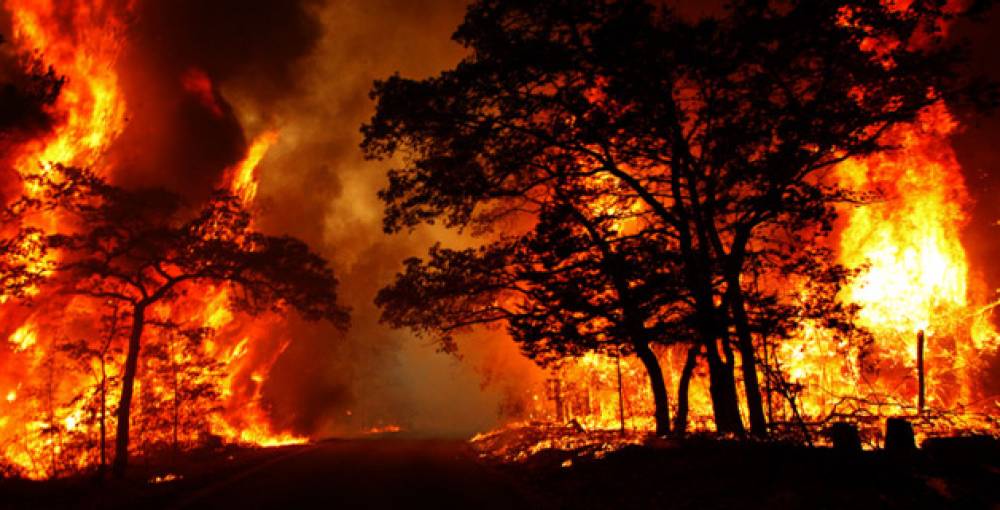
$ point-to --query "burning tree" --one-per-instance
(143, 249)
(723, 131)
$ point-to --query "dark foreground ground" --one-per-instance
(418, 474)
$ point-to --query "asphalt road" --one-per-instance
(375, 473)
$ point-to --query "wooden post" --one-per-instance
(621, 400)
(921, 402)
(556, 396)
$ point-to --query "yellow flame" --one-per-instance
(23, 338)
(244, 178)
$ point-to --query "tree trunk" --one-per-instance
(51, 417)
(661, 402)
(751, 386)
(921, 402)
(128, 382)
(176, 402)
(621, 395)
(104, 414)
(722, 387)
(698, 279)
(744, 343)
(683, 385)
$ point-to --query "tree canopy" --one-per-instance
(717, 134)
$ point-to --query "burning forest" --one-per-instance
(578, 233)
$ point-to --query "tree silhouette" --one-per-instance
(721, 128)
(141, 247)
(84, 352)
(569, 286)
(27, 87)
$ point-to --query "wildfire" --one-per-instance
(916, 281)
(50, 424)
(915, 286)
(910, 239)
(915, 291)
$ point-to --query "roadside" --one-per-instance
(148, 484)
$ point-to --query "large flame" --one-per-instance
(915, 284)
(90, 110)
(48, 423)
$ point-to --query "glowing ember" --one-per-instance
(385, 429)
(169, 477)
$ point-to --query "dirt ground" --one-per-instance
(429, 473)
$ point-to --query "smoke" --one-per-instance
(316, 185)
(182, 132)
(203, 78)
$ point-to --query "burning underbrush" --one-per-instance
(607, 468)
(546, 442)
(523, 441)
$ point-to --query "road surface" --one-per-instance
(376, 473)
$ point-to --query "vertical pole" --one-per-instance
(104, 415)
(559, 403)
(621, 400)
(767, 381)
(921, 402)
